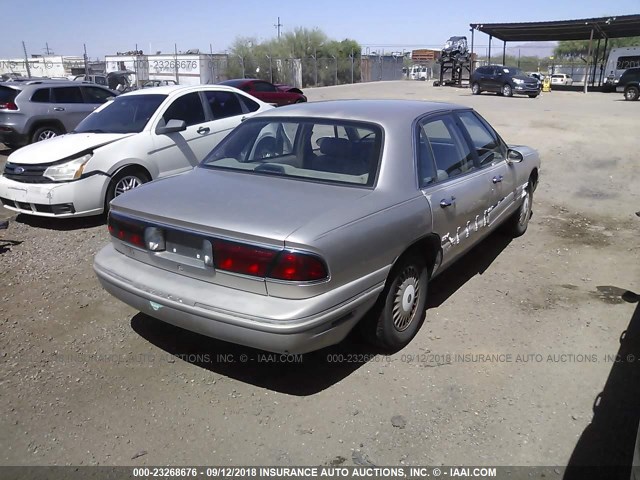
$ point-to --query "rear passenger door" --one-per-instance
(68, 106)
(227, 110)
(455, 188)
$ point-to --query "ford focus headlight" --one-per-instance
(70, 170)
(518, 81)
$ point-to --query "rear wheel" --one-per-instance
(475, 89)
(506, 90)
(124, 181)
(631, 93)
(45, 133)
(401, 308)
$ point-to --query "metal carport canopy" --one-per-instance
(604, 27)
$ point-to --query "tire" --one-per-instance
(300, 101)
(631, 93)
(127, 179)
(519, 221)
(45, 133)
(507, 90)
(475, 89)
(401, 307)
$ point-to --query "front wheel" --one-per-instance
(122, 183)
(631, 93)
(475, 89)
(506, 90)
(401, 308)
(519, 221)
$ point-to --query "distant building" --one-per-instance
(52, 66)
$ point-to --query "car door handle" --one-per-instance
(58, 109)
(203, 130)
(497, 179)
(447, 203)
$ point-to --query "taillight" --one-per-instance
(128, 232)
(8, 106)
(241, 258)
(298, 267)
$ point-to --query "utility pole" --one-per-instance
(47, 51)
(278, 25)
(86, 64)
(26, 59)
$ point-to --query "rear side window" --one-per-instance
(250, 104)
(187, 108)
(41, 95)
(7, 94)
(224, 104)
(67, 95)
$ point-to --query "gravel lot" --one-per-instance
(86, 380)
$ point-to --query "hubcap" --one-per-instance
(524, 212)
(405, 301)
(46, 135)
(506, 90)
(127, 183)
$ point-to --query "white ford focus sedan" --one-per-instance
(135, 138)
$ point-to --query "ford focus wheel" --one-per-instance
(127, 183)
(122, 183)
(402, 304)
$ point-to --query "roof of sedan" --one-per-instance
(364, 110)
(169, 89)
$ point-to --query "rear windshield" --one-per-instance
(333, 151)
(7, 94)
(125, 114)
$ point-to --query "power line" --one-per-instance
(278, 25)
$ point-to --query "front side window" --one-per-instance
(223, 104)
(96, 95)
(337, 151)
(125, 114)
(187, 108)
(67, 95)
(449, 149)
(263, 87)
(486, 143)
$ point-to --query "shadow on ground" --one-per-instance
(606, 448)
(61, 224)
(315, 371)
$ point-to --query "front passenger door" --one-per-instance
(181, 151)
(452, 184)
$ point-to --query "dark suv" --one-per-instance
(35, 110)
(629, 84)
(504, 81)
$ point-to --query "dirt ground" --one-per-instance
(516, 364)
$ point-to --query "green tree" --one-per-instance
(579, 49)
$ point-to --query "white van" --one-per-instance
(620, 59)
(418, 72)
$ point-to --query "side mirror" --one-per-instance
(514, 156)
(172, 126)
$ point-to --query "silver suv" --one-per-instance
(35, 110)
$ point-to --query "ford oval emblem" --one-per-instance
(18, 170)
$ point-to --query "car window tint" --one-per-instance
(426, 166)
(249, 104)
(263, 87)
(41, 96)
(450, 152)
(223, 104)
(67, 95)
(187, 108)
(486, 143)
(96, 95)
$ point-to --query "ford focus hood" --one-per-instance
(239, 205)
(64, 146)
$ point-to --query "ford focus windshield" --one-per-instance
(332, 151)
(125, 114)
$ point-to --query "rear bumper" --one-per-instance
(70, 199)
(245, 318)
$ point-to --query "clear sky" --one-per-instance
(107, 27)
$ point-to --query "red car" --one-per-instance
(268, 92)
